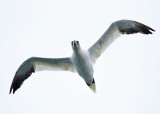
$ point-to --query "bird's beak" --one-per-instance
(75, 44)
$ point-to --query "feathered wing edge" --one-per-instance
(18, 79)
(113, 32)
(131, 27)
(39, 64)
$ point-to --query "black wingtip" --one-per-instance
(131, 27)
(150, 30)
(19, 79)
(10, 91)
(12, 84)
(144, 28)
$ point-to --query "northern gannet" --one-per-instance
(81, 61)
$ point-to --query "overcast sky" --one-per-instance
(127, 75)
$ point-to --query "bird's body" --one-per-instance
(81, 61)
(83, 65)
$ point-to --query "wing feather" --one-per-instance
(34, 64)
(113, 32)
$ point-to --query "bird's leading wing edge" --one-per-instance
(34, 64)
(113, 32)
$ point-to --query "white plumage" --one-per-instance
(81, 61)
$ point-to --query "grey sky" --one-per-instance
(127, 75)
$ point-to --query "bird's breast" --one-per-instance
(83, 65)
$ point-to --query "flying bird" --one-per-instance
(81, 61)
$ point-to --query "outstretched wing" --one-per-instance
(113, 32)
(39, 64)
